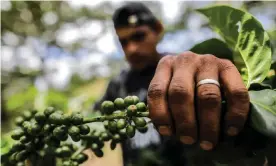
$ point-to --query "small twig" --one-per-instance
(113, 116)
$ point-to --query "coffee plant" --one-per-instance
(49, 131)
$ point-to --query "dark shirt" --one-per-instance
(169, 150)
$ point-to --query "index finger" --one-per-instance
(237, 97)
(157, 96)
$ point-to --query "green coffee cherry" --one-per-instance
(119, 103)
(96, 135)
(94, 146)
(22, 155)
(63, 137)
(12, 158)
(25, 139)
(52, 141)
(74, 163)
(142, 129)
(26, 125)
(69, 144)
(33, 111)
(19, 120)
(84, 129)
(135, 99)
(66, 119)
(116, 137)
(108, 107)
(48, 111)
(117, 112)
(47, 128)
(34, 129)
(112, 125)
(66, 163)
(140, 122)
(129, 100)
(40, 117)
(98, 153)
(131, 110)
(59, 112)
(122, 132)
(76, 138)
(100, 144)
(77, 119)
(17, 146)
(66, 151)
(30, 146)
(80, 158)
(105, 136)
(73, 130)
(60, 132)
(141, 107)
(130, 131)
(27, 115)
(58, 152)
(113, 145)
(16, 134)
(55, 118)
(105, 124)
(121, 123)
(20, 164)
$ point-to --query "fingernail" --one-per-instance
(206, 145)
(187, 140)
(165, 130)
(232, 131)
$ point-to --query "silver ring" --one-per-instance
(208, 81)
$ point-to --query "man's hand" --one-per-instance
(178, 106)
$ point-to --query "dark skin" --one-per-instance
(174, 86)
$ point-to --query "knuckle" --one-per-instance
(167, 60)
(156, 90)
(177, 90)
(241, 94)
(186, 56)
(209, 96)
(207, 63)
(225, 64)
(207, 59)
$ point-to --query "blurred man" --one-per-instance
(183, 92)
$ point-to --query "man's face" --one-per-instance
(139, 45)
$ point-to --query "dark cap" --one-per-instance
(133, 14)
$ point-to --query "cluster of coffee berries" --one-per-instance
(37, 130)
(27, 136)
(121, 120)
(124, 127)
(51, 129)
(66, 152)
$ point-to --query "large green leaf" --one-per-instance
(215, 47)
(246, 37)
(263, 111)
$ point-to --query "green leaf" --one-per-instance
(246, 37)
(215, 47)
(6, 143)
(263, 111)
(259, 86)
